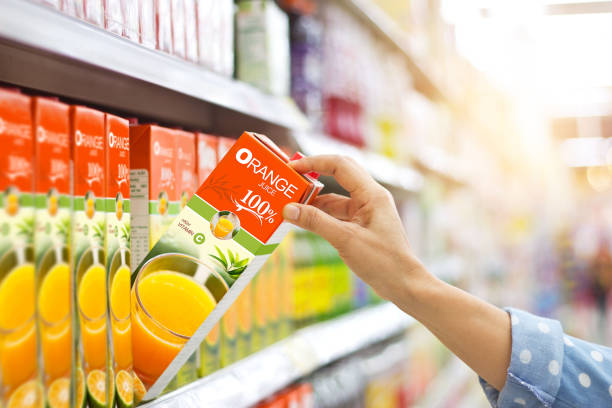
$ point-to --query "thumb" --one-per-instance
(312, 219)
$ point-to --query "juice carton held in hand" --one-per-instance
(209, 254)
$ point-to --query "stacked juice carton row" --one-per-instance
(201, 31)
(85, 198)
(64, 333)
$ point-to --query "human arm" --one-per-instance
(367, 231)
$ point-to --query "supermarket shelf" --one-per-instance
(439, 162)
(270, 370)
(370, 13)
(51, 52)
(381, 168)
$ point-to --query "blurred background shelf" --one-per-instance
(383, 169)
(72, 58)
(373, 16)
(262, 374)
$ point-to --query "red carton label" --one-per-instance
(16, 137)
(207, 156)
(52, 148)
(185, 165)
(117, 156)
(87, 132)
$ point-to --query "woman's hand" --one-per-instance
(365, 227)
(366, 230)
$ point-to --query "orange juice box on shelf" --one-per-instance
(53, 202)
(185, 166)
(88, 256)
(223, 146)
(208, 256)
(18, 360)
(119, 260)
(244, 311)
(153, 186)
(206, 155)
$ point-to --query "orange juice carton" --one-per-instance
(163, 18)
(223, 145)
(206, 155)
(178, 27)
(208, 255)
(153, 186)
(118, 259)
(88, 256)
(94, 12)
(18, 367)
(148, 25)
(185, 166)
(53, 202)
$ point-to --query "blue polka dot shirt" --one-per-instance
(551, 369)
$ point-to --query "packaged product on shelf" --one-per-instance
(148, 23)
(223, 146)
(163, 18)
(262, 46)
(51, 244)
(209, 254)
(178, 27)
(285, 265)
(210, 357)
(320, 296)
(114, 20)
(272, 300)
(207, 155)
(88, 256)
(74, 8)
(306, 60)
(244, 310)
(18, 367)
(228, 347)
(94, 12)
(207, 22)
(131, 26)
(191, 31)
(153, 186)
(225, 64)
(260, 321)
(118, 258)
(301, 280)
(185, 166)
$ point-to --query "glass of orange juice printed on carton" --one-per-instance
(118, 258)
(88, 257)
(18, 368)
(219, 241)
(51, 127)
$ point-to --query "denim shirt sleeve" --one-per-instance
(550, 369)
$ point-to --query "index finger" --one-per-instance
(351, 176)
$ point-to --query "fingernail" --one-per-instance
(291, 212)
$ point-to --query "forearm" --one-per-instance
(476, 331)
